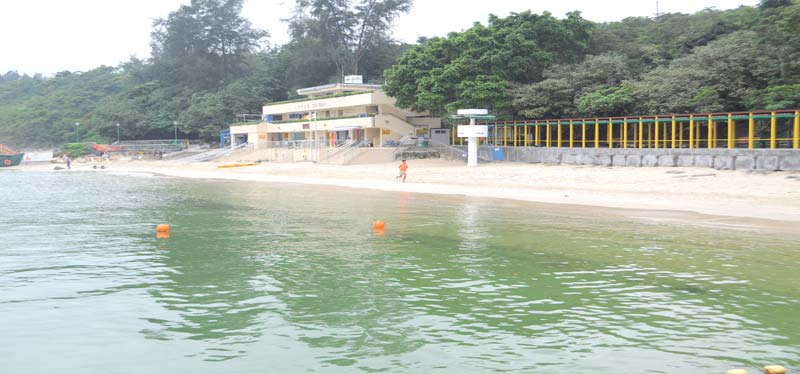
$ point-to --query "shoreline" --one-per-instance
(693, 196)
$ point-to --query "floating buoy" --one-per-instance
(162, 231)
(379, 225)
(736, 371)
(774, 369)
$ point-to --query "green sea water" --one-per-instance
(282, 278)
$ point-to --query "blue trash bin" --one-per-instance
(498, 155)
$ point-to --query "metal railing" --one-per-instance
(293, 144)
(150, 146)
(449, 152)
(342, 154)
(354, 151)
(773, 130)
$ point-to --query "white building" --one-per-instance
(332, 115)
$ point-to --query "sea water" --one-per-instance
(260, 277)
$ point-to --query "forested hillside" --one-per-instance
(537, 66)
(208, 64)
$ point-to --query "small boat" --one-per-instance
(9, 156)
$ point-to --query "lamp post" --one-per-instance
(175, 123)
(77, 136)
(117, 133)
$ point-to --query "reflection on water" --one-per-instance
(292, 278)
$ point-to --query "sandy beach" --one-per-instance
(735, 199)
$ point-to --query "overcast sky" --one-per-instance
(48, 36)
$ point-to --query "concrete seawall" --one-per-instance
(729, 159)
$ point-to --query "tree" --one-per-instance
(558, 95)
(476, 67)
(204, 44)
(717, 77)
(347, 30)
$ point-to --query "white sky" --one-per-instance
(48, 36)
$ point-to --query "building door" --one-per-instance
(342, 136)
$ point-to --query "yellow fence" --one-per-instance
(709, 130)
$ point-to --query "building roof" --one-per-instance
(338, 87)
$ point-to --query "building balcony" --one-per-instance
(335, 102)
(322, 124)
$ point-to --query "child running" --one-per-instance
(403, 168)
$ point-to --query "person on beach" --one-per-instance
(403, 168)
(66, 159)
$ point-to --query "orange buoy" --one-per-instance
(774, 369)
(162, 231)
(379, 225)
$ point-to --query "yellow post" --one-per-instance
(583, 133)
(610, 129)
(656, 137)
(525, 131)
(710, 132)
(796, 140)
(515, 133)
(571, 134)
(559, 133)
(641, 132)
(714, 134)
(697, 138)
(597, 133)
(691, 131)
(547, 131)
(731, 132)
(624, 132)
(673, 132)
(536, 132)
(751, 130)
(773, 130)
(453, 135)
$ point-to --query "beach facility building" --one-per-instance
(350, 114)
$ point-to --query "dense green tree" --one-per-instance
(346, 30)
(558, 94)
(716, 77)
(204, 44)
(478, 66)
